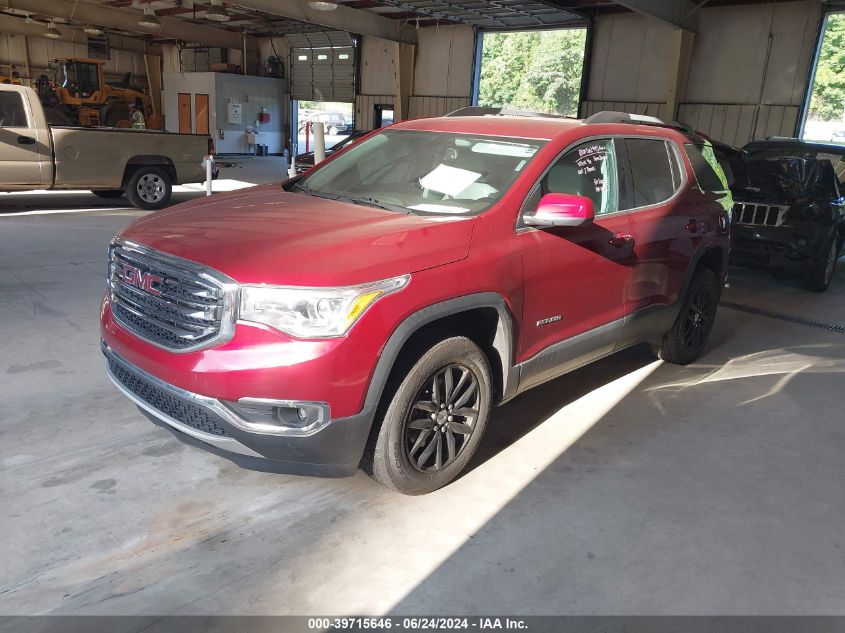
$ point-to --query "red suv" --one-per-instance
(375, 309)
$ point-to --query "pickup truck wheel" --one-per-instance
(435, 420)
(686, 339)
(108, 194)
(820, 274)
(149, 188)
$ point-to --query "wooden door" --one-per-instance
(185, 113)
(201, 110)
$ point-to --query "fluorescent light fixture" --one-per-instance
(216, 13)
(52, 32)
(323, 6)
(93, 29)
(149, 20)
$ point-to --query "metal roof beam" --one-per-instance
(19, 26)
(342, 18)
(677, 13)
(126, 20)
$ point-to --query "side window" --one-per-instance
(655, 174)
(587, 170)
(706, 167)
(12, 113)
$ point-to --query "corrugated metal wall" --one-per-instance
(633, 107)
(421, 107)
(365, 106)
(747, 74)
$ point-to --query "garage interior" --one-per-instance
(629, 487)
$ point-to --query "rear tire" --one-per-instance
(435, 420)
(820, 274)
(108, 194)
(687, 338)
(149, 188)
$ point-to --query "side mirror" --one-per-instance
(561, 209)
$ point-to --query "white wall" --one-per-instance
(252, 93)
(630, 60)
(731, 92)
(444, 61)
(42, 50)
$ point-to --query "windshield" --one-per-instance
(792, 168)
(78, 77)
(424, 172)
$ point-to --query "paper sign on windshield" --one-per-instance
(449, 180)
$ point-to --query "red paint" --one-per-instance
(588, 275)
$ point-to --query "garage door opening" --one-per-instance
(825, 117)
(336, 117)
(538, 71)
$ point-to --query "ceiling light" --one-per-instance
(216, 13)
(323, 6)
(149, 20)
(52, 32)
(92, 29)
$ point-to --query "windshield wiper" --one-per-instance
(303, 187)
(372, 202)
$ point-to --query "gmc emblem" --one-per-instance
(136, 277)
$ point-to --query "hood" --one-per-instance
(267, 235)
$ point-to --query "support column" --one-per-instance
(403, 57)
(152, 64)
(682, 45)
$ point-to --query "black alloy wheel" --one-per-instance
(442, 418)
(685, 341)
(435, 410)
(699, 318)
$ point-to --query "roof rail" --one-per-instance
(611, 116)
(475, 111)
(642, 119)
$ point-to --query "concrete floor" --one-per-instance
(629, 487)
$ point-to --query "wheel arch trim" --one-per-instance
(502, 341)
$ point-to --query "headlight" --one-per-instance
(313, 312)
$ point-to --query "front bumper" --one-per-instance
(334, 450)
(773, 246)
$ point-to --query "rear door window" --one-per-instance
(12, 113)
(655, 173)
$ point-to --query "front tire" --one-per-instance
(435, 420)
(820, 274)
(686, 339)
(149, 188)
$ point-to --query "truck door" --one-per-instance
(23, 146)
(576, 277)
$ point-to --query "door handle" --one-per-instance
(693, 226)
(620, 240)
(26, 140)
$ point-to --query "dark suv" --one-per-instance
(381, 305)
(790, 211)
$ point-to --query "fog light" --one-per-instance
(278, 417)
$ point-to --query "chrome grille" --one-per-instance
(759, 214)
(168, 301)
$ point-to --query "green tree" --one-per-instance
(828, 96)
(536, 70)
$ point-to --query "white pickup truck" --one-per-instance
(142, 164)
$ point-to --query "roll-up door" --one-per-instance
(323, 67)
